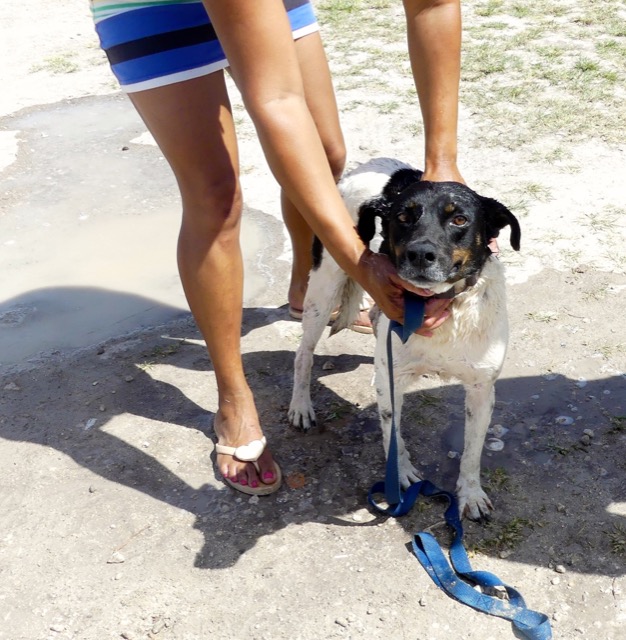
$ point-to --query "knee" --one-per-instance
(211, 204)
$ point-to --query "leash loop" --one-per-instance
(456, 578)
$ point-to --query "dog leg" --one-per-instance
(321, 299)
(408, 473)
(473, 501)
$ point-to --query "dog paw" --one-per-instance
(408, 473)
(473, 501)
(301, 417)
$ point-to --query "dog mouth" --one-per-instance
(433, 282)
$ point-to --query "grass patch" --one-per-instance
(506, 536)
(59, 64)
(617, 540)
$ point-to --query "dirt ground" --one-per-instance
(114, 523)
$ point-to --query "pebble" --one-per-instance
(564, 420)
(589, 432)
(12, 387)
(581, 383)
(90, 423)
(328, 366)
(494, 444)
(158, 626)
(422, 601)
(498, 430)
(129, 378)
(92, 489)
(116, 558)
(342, 622)
(453, 455)
(556, 580)
(560, 568)
(57, 628)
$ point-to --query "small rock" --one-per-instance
(127, 635)
(158, 626)
(92, 489)
(129, 378)
(102, 408)
(498, 430)
(90, 423)
(57, 628)
(566, 420)
(342, 622)
(589, 432)
(560, 568)
(555, 581)
(453, 455)
(328, 366)
(254, 500)
(494, 444)
(12, 387)
(585, 440)
(422, 601)
(116, 558)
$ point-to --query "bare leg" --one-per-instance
(192, 124)
(320, 98)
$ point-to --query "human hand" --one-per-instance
(386, 287)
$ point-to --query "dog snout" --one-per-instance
(421, 254)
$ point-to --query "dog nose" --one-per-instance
(421, 254)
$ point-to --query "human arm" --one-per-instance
(434, 42)
(258, 42)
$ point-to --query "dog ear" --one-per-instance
(369, 211)
(400, 180)
(498, 217)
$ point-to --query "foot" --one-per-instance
(237, 424)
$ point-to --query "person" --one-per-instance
(170, 56)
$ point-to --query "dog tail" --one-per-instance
(349, 306)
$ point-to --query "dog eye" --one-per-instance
(459, 220)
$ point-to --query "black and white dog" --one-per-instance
(436, 235)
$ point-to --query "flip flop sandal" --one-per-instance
(297, 314)
(366, 304)
(251, 452)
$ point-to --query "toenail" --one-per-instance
(268, 475)
(243, 481)
(254, 484)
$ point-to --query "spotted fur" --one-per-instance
(437, 235)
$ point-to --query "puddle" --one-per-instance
(88, 230)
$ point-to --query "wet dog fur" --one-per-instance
(437, 236)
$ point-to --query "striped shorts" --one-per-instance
(153, 43)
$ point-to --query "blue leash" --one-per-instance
(456, 577)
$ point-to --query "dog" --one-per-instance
(437, 235)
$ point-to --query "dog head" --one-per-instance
(435, 233)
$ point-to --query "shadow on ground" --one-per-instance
(554, 487)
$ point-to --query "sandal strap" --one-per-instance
(250, 452)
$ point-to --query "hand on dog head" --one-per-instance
(435, 233)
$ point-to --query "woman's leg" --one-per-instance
(192, 123)
(320, 98)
